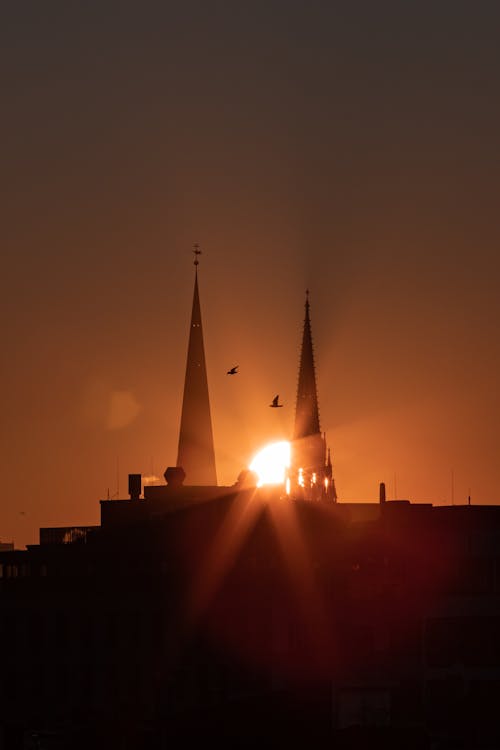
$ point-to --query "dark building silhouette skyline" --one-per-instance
(242, 617)
(196, 454)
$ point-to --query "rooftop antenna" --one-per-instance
(468, 498)
(452, 488)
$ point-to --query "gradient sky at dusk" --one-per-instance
(348, 147)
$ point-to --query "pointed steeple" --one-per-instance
(314, 474)
(196, 445)
(306, 411)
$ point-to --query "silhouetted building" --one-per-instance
(196, 446)
(311, 470)
(251, 617)
(247, 619)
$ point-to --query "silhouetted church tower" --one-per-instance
(196, 444)
(310, 465)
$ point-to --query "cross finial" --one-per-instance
(196, 252)
(307, 297)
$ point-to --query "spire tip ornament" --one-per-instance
(196, 252)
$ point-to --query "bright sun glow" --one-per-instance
(271, 463)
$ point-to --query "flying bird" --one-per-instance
(275, 404)
(233, 370)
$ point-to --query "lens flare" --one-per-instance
(271, 463)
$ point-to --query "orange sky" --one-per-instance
(353, 153)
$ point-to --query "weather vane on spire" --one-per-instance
(196, 252)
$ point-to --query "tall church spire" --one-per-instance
(309, 461)
(306, 411)
(196, 445)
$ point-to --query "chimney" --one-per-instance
(134, 486)
(381, 493)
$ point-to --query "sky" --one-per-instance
(348, 147)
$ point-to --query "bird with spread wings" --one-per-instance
(275, 404)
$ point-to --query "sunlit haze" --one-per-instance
(345, 147)
(270, 464)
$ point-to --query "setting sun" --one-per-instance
(271, 462)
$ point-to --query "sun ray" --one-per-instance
(237, 523)
(304, 583)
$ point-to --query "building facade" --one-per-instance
(244, 618)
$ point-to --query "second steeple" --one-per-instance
(312, 472)
(196, 452)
